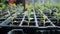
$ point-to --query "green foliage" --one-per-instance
(50, 11)
(2, 5)
(58, 6)
(44, 16)
(29, 13)
(39, 6)
(21, 7)
(55, 5)
(12, 18)
(36, 6)
(29, 7)
(14, 11)
(2, 1)
(57, 15)
(47, 4)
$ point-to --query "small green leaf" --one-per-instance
(14, 11)
(44, 17)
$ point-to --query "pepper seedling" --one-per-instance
(57, 16)
(29, 12)
(44, 17)
(41, 7)
(2, 6)
(13, 10)
(12, 17)
(20, 6)
(47, 4)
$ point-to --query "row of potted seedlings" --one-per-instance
(39, 15)
(52, 12)
(7, 12)
(30, 17)
(16, 17)
(3, 13)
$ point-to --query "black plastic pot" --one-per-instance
(36, 25)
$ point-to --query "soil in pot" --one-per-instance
(32, 23)
(57, 24)
(20, 16)
(14, 23)
(47, 13)
(48, 24)
(40, 23)
(32, 16)
(39, 16)
(25, 23)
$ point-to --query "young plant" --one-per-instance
(47, 4)
(20, 6)
(12, 17)
(44, 17)
(58, 6)
(14, 11)
(40, 7)
(29, 12)
(2, 6)
(50, 11)
(0, 11)
(57, 16)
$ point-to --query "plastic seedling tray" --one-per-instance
(36, 20)
(37, 24)
(16, 21)
(53, 20)
(7, 18)
(3, 17)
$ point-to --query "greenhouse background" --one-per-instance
(29, 16)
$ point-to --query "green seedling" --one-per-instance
(50, 11)
(40, 9)
(2, 6)
(57, 16)
(21, 7)
(12, 17)
(29, 12)
(11, 9)
(47, 4)
(44, 17)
